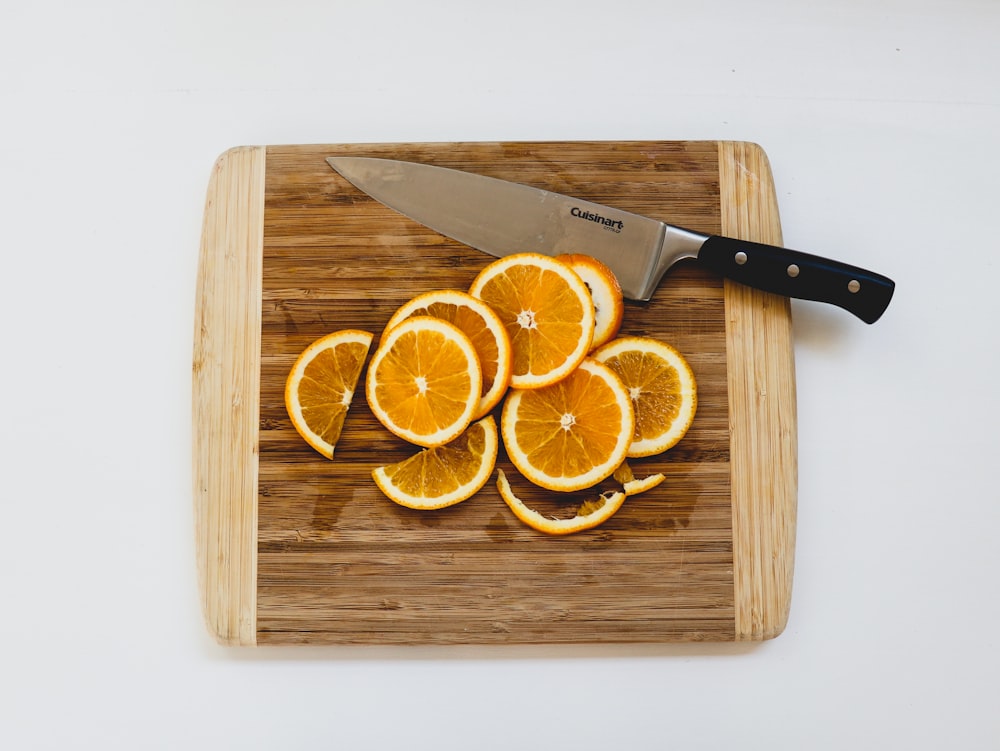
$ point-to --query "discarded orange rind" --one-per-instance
(633, 486)
(589, 515)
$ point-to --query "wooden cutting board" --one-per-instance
(296, 549)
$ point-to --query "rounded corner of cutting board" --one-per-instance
(226, 392)
(228, 159)
(226, 636)
(762, 406)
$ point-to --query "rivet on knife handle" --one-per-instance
(801, 275)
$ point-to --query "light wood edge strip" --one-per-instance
(226, 394)
(762, 409)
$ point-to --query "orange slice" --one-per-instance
(424, 381)
(662, 389)
(588, 516)
(320, 386)
(547, 311)
(606, 292)
(444, 475)
(483, 327)
(572, 434)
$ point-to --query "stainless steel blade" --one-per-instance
(501, 218)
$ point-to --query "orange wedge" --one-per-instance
(444, 475)
(320, 386)
(587, 516)
(547, 311)
(424, 381)
(572, 434)
(661, 387)
(606, 292)
(484, 329)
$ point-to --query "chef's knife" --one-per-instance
(502, 218)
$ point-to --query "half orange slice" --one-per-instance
(320, 386)
(445, 475)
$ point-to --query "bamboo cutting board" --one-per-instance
(296, 549)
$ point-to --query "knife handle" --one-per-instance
(800, 275)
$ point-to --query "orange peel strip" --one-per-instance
(589, 515)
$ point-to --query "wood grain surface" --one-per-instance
(294, 548)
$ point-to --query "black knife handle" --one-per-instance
(801, 275)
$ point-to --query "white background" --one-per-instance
(881, 121)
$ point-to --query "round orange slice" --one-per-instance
(484, 328)
(445, 475)
(547, 311)
(320, 386)
(572, 434)
(606, 292)
(588, 515)
(424, 381)
(662, 389)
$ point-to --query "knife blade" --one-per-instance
(500, 217)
